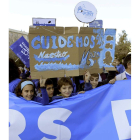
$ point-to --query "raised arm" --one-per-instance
(88, 86)
(45, 98)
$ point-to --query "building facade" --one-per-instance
(14, 35)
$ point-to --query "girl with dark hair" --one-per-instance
(26, 89)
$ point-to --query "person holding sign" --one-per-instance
(26, 89)
(49, 87)
(91, 81)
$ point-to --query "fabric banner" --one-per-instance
(103, 113)
(21, 49)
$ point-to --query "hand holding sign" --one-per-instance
(87, 76)
(42, 82)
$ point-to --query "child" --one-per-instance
(91, 81)
(65, 88)
(26, 89)
(49, 88)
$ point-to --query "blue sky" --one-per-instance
(114, 13)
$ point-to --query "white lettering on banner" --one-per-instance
(17, 124)
(122, 125)
(46, 125)
(25, 46)
(24, 50)
(52, 55)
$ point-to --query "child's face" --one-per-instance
(94, 81)
(28, 92)
(50, 90)
(66, 90)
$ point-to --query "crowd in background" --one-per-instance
(47, 90)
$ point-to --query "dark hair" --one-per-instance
(94, 75)
(48, 82)
(123, 58)
(14, 71)
(64, 81)
(18, 90)
(27, 74)
(127, 60)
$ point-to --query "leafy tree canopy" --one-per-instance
(123, 46)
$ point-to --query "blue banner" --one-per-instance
(21, 49)
(103, 113)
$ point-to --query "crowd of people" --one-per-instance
(47, 90)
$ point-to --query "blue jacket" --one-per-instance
(13, 84)
(88, 86)
(60, 97)
(120, 68)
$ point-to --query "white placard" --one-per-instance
(85, 12)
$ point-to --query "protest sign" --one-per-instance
(96, 24)
(21, 49)
(85, 12)
(59, 51)
(103, 113)
(44, 21)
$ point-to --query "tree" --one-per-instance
(123, 46)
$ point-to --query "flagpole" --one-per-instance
(17, 60)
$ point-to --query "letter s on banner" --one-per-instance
(17, 124)
(46, 125)
(122, 125)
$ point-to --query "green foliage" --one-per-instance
(123, 46)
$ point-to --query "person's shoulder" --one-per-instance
(121, 76)
(15, 81)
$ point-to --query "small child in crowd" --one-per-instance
(26, 89)
(49, 88)
(65, 87)
(92, 81)
(47, 84)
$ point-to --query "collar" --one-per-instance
(127, 73)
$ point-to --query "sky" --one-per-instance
(115, 14)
